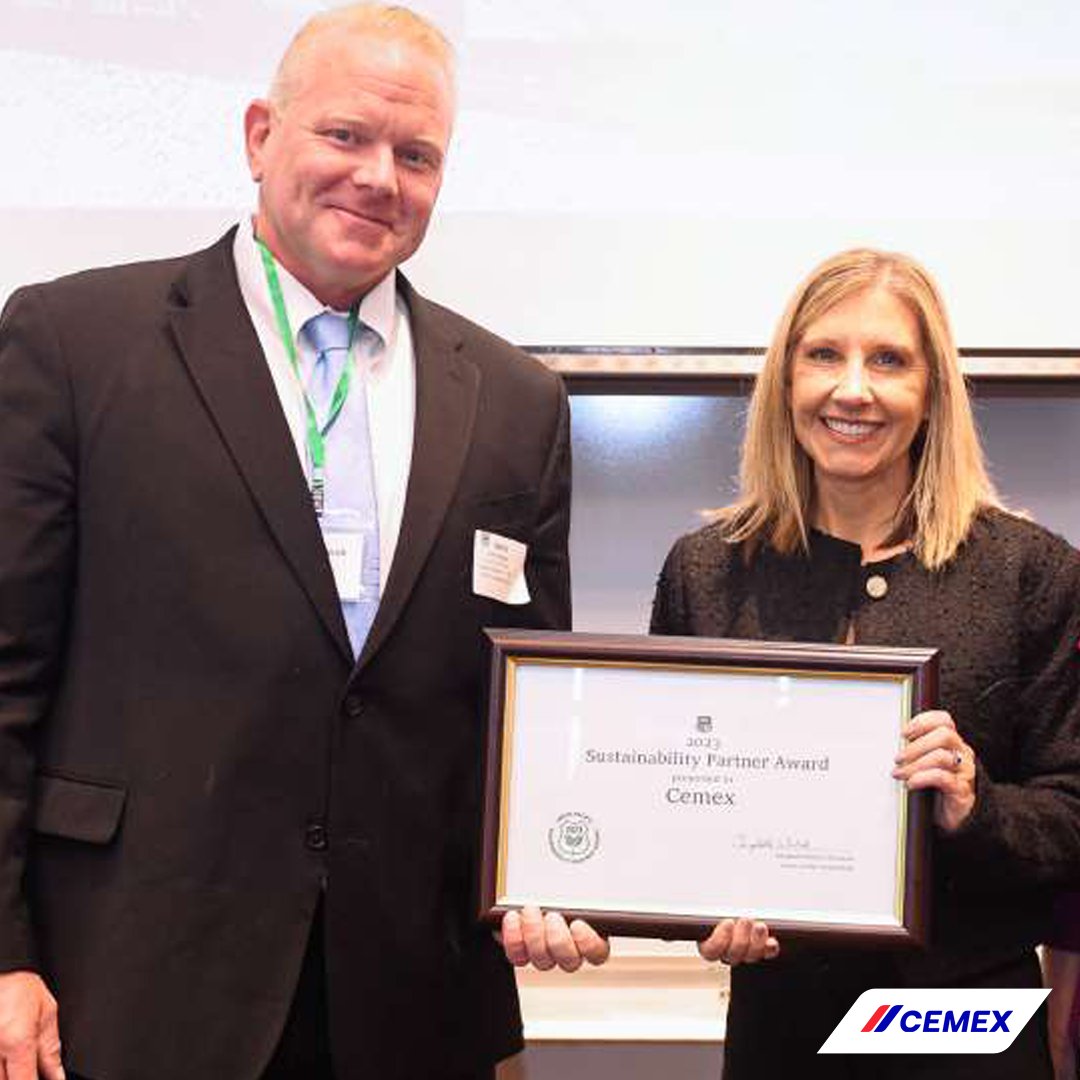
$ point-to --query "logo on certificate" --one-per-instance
(574, 837)
(704, 724)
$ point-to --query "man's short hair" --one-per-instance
(387, 22)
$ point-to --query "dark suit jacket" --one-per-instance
(188, 755)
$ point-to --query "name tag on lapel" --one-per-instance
(499, 568)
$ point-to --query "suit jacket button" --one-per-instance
(315, 837)
(354, 707)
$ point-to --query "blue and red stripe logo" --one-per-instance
(883, 1016)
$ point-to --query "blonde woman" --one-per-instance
(866, 516)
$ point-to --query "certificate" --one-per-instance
(654, 785)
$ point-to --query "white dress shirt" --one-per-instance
(386, 356)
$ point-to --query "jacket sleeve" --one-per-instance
(38, 469)
(550, 558)
(1027, 830)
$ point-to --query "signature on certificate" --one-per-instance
(794, 852)
(779, 843)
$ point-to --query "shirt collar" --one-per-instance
(377, 309)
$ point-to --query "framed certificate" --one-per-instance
(654, 785)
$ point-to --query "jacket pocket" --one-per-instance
(517, 506)
(78, 809)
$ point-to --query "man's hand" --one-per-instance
(739, 941)
(29, 1035)
(544, 940)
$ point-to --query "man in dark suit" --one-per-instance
(240, 625)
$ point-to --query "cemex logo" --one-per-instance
(913, 1020)
(893, 1021)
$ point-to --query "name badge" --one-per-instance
(499, 568)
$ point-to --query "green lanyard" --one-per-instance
(316, 436)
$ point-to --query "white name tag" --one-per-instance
(499, 568)
(346, 551)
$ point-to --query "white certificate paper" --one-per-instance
(695, 793)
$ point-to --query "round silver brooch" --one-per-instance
(876, 586)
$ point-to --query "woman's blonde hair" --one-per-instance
(950, 483)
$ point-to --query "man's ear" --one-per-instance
(257, 124)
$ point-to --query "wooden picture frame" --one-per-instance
(653, 785)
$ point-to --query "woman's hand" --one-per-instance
(934, 756)
(739, 941)
(530, 936)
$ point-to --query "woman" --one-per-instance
(866, 516)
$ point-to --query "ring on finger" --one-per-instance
(958, 760)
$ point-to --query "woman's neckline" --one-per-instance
(882, 557)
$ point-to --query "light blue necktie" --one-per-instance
(350, 503)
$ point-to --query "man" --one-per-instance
(241, 600)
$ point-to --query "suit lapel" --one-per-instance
(447, 386)
(222, 352)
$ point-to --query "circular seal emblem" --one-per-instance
(574, 837)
